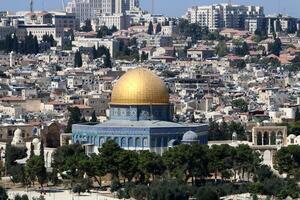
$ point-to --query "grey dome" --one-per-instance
(190, 136)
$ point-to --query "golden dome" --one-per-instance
(140, 87)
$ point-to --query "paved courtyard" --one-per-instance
(61, 195)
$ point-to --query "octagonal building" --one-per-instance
(140, 117)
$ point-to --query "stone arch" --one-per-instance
(279, 138)
(123, 142)
(137, 142)
(267, 157)
(52, 136)
(116, 140)
(145, 142)
(101, 141)
(259, 138)
(273, 138)
(130, 142)
(266, 139)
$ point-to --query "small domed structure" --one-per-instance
(291, 139)
(190, 137)
(36, 143)
(297, 140)
(17, 139)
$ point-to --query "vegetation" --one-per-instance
(28, 46)
(240, 104)
(196, 32)
(275, 48)
(129, 51)
(287, 161)
(224, 131)
(150, 28)
(49, 39)
(221, 49)
(105, 31)
(87, 27)
(180, 173)
(78, 59)
(13, 169)
(75, 117)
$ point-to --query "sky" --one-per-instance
(168, 7)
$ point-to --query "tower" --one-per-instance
(31, 5)
(63, 5)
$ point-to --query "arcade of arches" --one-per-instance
(269, 135)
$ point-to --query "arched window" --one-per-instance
(273, 138)
(266, 138)
(123, 142)
(101, 141)
(116, 139)
(130, 142)
(259, 138)
(137, 142)
(145, 142)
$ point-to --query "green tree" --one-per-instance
(240, 104)
(158, 28)
(67, 159)
(150, 28)
(110, 154)
(128, 164)
(246, 160)
(35, 166)
(107, 60)
(74, 118)
(3, 193)
(287, 160)
(168, 190)
(94, 117)
(144, 56)
(78, 59)
(94, 167)
(242, 50)
(297, 115)
(221, 49)
(221, 159)
(275, 48)
(206, 193)
(150, 165)
(87, 26)
(13, 169)
(187, 161)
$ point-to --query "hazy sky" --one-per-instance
(168, 7)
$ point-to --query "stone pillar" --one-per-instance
(270, 138)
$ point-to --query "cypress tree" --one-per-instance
(78, 59)
(31, 150)
(150, 28)
(94, 117)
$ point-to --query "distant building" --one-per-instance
(89, 9)
(120, 21)
(281, 23)
(220, 16)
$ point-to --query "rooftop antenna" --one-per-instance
(31, 6)
(63, 5)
